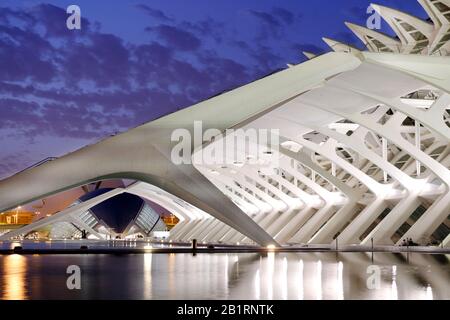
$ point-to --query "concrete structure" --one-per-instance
(362, 152)
(124, 215)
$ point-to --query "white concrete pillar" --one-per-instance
(312, 225)
(437, 213)
(325, 235)
(351, 234)
(382, 233)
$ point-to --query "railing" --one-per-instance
(37, 164)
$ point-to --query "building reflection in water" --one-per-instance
(308, 276)
(340, 281)
(284, 282)
(270, 271)
(14, 281)
(394, 294)
(171, 270)
(429, 294)
(300, 281)
(318, 287)
(148, 276)
(279, 276)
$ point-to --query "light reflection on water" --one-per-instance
(293, 276)
(13, 277)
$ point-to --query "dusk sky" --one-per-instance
(134, 61)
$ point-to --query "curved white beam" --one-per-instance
(375, 41)
(415, 34)
(144, 153)
(64, 215)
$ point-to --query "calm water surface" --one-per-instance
(295, 276)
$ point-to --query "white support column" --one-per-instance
(212, 235)
(312, 225)
(288, 231)
(201, 230)
(424, 227)
(80, 224)
(382, 233)
(446, 242)
(351, 234)
(200, 224)
(221, 233)
(418, 145)
(285, 219)
(202, 235)
(385, 157)
(265, 222)
(326, 233)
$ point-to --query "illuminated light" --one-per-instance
(271, 247)
(301, 294)
(429, 293)
(284, 285)
(148, 247)
(148, 276)
(340, 281)
(319, 280)
(237, 243)
(270, 274)
(15, 244)
(257, 285)
(394, 289)
(14, 282)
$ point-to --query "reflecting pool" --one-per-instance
(295, 276)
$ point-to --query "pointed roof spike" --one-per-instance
(434, 14)
(309, 55)
(375, 41)
(339, 46)
(403, 28)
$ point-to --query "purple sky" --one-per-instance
(134, 61)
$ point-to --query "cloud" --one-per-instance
(88, 84)
(286, 16)
(176, 37)
(273, 24)
(266, 18)
(154, 13)
(276, 18)
(206, 28)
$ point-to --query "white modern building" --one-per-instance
(361, 152)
